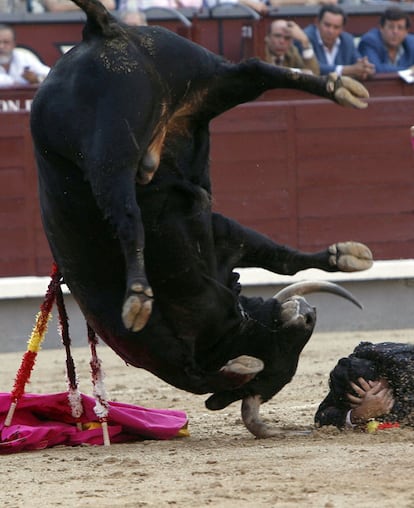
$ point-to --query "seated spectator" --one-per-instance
(257, 5)
(281, 50)
(18, 66)
(10, 6)
(130, 12)
(68, 5)
(278, 3)
(134, 18)
(375, 382)
(170, 4)
(390, 47)
(334, 48)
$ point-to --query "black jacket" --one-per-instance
(391, 360)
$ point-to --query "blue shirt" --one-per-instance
(347, 53)
(372, 46)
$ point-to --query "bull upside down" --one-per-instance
(121, 134)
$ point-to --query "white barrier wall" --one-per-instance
(386, 291)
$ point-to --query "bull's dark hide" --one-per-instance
(121, 134)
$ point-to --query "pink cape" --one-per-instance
(42, 421)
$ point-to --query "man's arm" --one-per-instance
(374, 52)
(309, 59)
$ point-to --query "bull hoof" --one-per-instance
(242, 369)
(350, 256)
(137, 308)
(347, 91)
(296, 312)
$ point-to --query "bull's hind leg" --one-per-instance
(114, 192)
(234, 84)
(138, 301)
(238, 246)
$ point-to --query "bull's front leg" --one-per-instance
(294, 321)
(238, 246)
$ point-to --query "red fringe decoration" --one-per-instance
(29, 358)
(23, 375)
(64, 327)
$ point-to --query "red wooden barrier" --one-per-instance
(308, 173)
(303, 171)
(23, 248)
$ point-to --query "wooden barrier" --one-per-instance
(301, 170)
(308, 173)
(23, 247)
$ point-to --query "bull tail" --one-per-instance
(99, 20)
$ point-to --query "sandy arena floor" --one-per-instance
(220, 464)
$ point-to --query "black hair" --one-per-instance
(395, 14)
(333, 9)
(347, 370)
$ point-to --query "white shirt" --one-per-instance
(330, 54)
(22, 58)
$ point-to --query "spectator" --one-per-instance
(134, 18)
(170, 4)
(257, 5)
(281, 50)
(68, 5)
(18, 66)
(260, 6)
(390, 47)
(334, 48)
(278, 3)
(12, 6)
(375, 381)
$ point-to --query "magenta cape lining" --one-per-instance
(42, 421)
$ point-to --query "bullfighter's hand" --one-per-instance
(347, 91)
(374, 398)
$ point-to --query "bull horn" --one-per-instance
(306, 287)
(255, 425)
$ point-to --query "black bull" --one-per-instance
(121, 133)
